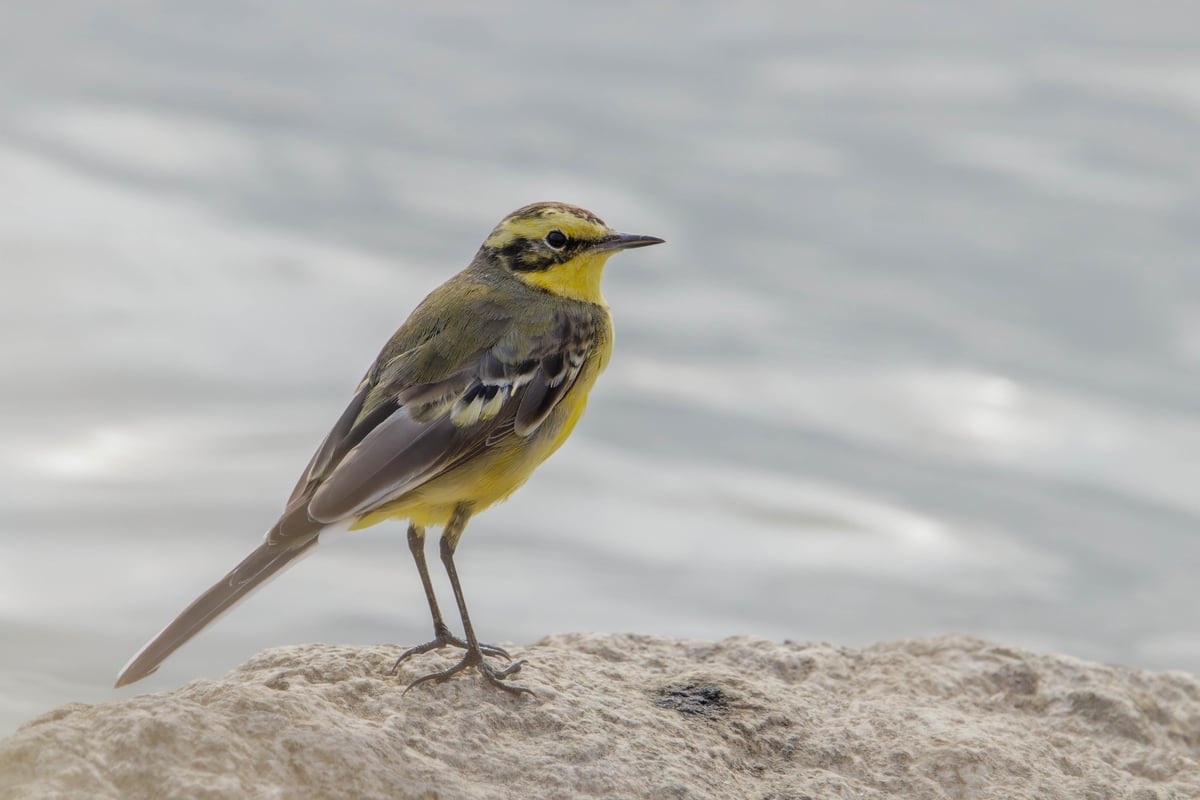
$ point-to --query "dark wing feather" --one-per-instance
(338, 435)
(418, 432)
(550, 381)
(397, 455)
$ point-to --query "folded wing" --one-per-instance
(396, 436)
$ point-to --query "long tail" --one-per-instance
(244, 578)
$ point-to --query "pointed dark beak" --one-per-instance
(625, 241)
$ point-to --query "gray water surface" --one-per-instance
(921, 354)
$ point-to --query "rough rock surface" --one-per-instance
(637, 717)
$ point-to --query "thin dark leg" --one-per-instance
(441, 634)
(416, 545)
(474, 654)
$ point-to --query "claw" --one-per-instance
(443, 638)
(490, 674)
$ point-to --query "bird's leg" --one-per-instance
(475, 653)
(441, 634)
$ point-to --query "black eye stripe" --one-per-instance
(529, 255)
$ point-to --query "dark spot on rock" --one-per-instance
(1018, 679)
(706, 700)
(278, 683)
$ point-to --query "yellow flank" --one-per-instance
(578, 278)
(496, 474)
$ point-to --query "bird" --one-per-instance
(482, 383)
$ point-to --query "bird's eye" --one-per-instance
(556, 239)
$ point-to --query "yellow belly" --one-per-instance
(494, 474)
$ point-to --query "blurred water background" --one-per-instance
(921, 354)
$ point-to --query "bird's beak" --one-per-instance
(624, 241)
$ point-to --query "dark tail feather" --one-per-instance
(244, 578)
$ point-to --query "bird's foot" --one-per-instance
(443, 638)
(474, 658)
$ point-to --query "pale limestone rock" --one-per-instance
(636, 717)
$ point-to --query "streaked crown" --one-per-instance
(540, 235)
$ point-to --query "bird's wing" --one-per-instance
(397, 435)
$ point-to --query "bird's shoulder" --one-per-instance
(477, 318)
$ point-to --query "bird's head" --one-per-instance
(558, 247)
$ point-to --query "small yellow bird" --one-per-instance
(478, 387)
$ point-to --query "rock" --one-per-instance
(636, 717)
